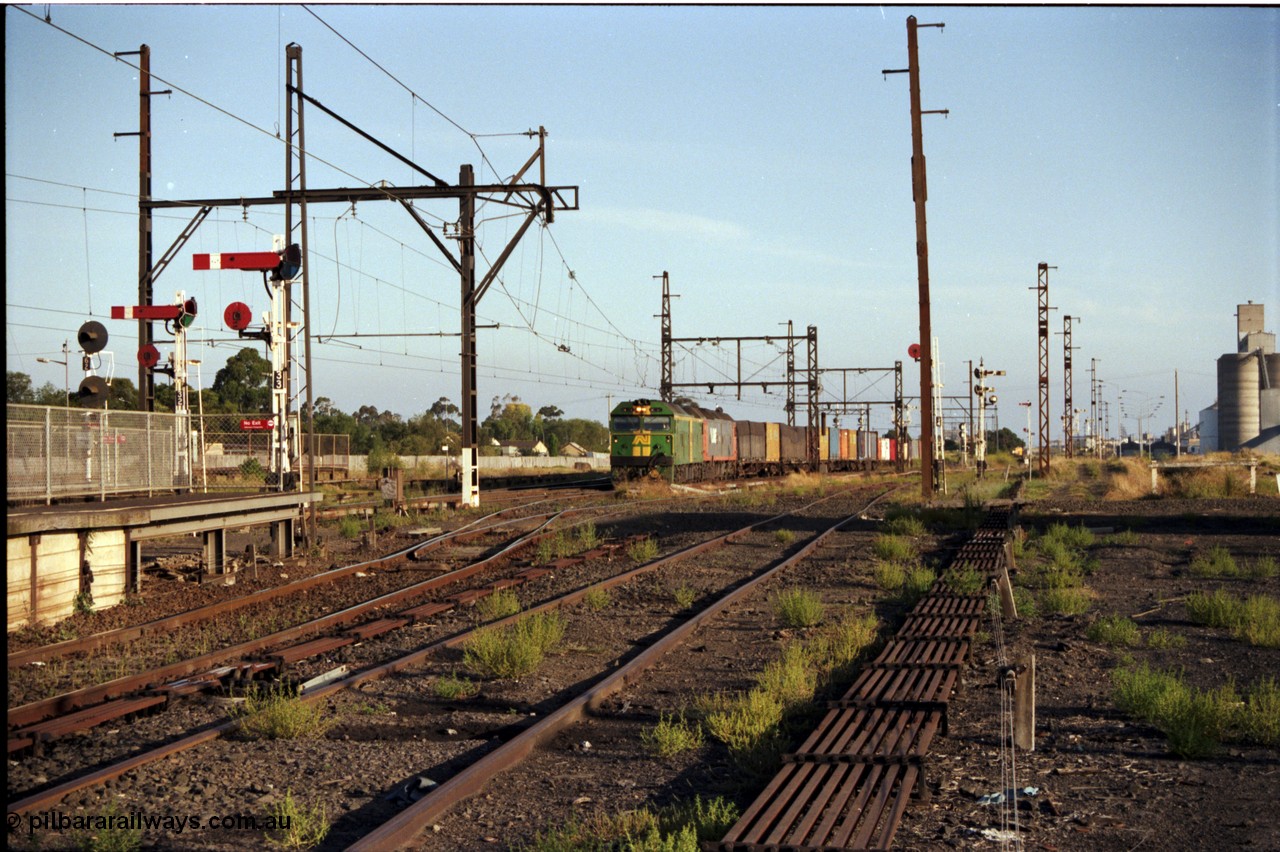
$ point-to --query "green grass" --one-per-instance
(596, 598)
(918, 582)
(300, 826)
(643, 550)
(1216, 563)
(1194, 722)
(498, 604)
(517, 649)
(672, 735)
(1064, 601)
(890, 575)
(277, 713)
(1255, 619)
(894, 548)
(684, 595)
(453, 687)
(1115, 631)
(798, 608)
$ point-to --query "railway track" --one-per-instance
(36, 723)
(53, 794)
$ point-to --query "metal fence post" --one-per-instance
(48, 456)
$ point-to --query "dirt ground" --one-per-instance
(1102, 780)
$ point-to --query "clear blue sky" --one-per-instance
(757, 154)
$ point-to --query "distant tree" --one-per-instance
(18, 388)
(550, 412)
(244, 384)
(124, 395)
(1006, 439)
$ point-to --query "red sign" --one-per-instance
(257, 424)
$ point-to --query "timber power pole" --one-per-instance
(146, 384)
(919, 192)
(1042, 326)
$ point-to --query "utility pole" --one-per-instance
(1177, 421)
(1042, 325)
(146, 384)
(1093, 406)
(919, 193)
(791, 375)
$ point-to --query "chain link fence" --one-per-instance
(54, 453)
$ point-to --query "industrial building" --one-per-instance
(1247, 413)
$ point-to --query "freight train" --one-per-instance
(684, 442)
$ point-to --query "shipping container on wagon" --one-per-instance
(832, 442)
(868, 444)
(718, 434)
(773, 441)
(844, 445)
(824, 445)
(752, 441)
(794, 446)
(884, 452)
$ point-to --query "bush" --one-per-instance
(278, 713)
(643, 550)
(784, 537)
(890, 576)
(904, 525)
(1261, 721)
(1114, 630)
(792, 679)
(1218, 562)
(498, 604)
(672, 736)
(596, 598)
(300, 826)
(451, 687)
(349, 527)
(919, 581)
(684, 595)
(893, 548)
(517, 649)
(1068, 601)
(968, 581)
(798, 607)
(1262, 568)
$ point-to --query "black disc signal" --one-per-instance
(92, 337)
(93, 392)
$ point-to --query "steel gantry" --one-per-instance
(1068, 409)
(844, 405)
(536, 200)
(667, 388)
(1042, 326)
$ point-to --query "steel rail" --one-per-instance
(52, 795)
(39, 710)
(205, 613)
(405, 826)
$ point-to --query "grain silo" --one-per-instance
(1248, 410)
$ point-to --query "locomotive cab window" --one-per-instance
(630, 423)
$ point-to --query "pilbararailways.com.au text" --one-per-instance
(57, 821)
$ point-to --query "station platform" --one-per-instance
(59, 554)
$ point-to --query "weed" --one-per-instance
(349, 527)
(792, 679)
(1261, 722)
(643, 550)
(968, 581)
(1114, 630)
(115, 835)
(917, 584)
(784, 537)
(83, 604)
(894, 548)
(1217, 563)
(1162, 638)
(453, 687)
(1124, 538)
(499, 604)
(364, 708)
(278, 713)
(596, 598)
(839, 644)
(672, 735)
(1262, 568)
(1194, 721)
(798, 607)
(1025, 601)
(890, 576)
(1260, 621)
(1065, 601)
(1219, 609)
(746, 721)
(299, 826)
(684, 595)
(517, 649)
(905, 525)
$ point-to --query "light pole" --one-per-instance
(204, 477)
(66, 372)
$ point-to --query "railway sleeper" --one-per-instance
(37, 735)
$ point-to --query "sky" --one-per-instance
(756, 154)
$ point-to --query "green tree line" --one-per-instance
(243, 386)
